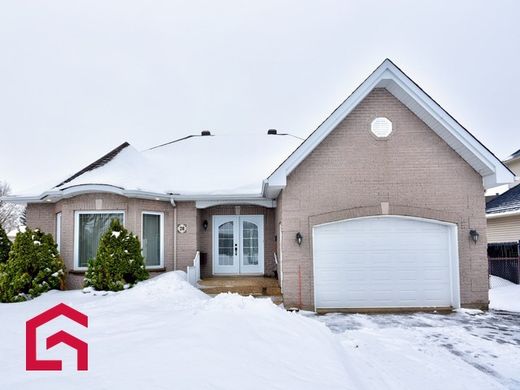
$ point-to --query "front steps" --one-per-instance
(257, 286)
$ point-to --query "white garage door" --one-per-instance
(385, 262)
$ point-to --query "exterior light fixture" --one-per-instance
(205, 224)
(299, 238)
(474, 235)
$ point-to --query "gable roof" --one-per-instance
(394, 80)
(508, 202)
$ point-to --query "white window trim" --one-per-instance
(76, 232)
(58, 231)
(161, 238)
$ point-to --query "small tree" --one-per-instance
(118, 261)
(5, 245)
(33, 267)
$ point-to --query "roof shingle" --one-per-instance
(508, 201)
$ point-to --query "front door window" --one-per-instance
(226, 243)
(249, 243)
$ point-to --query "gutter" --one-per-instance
(504, 214)
(172, 202)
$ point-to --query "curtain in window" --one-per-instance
(91, 228)
(152, 239)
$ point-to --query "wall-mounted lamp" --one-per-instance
(205, 224)
(299, 238)
(474, 235)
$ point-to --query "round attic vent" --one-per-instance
(381, 127)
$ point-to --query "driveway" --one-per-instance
(432, 350)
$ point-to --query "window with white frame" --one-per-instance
(152, 239)
(58, 231)
(89, 226)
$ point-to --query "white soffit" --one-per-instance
(390, 77)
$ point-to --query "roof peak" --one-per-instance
(231, 134)
(98, 163)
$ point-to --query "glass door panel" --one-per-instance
(225, 245)
(252, 244)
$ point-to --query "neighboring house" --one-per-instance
(503, 211)
(503, 223)
(513, 163)
(373, 210)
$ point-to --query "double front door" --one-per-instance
(238, 244)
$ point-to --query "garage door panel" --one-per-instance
(382, 262)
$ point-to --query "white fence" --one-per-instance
(194, 270)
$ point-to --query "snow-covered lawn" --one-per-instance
(164, 334)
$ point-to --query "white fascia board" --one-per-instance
(502, 215)
(492, 169)
(325, 128)
(204, 204)
(496, 169)
(56, 195)
(53, 196)
(19, 199)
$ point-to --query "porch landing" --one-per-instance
(257, 286)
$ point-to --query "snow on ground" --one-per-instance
(431, 351)
(165, 334)
(504, 295)
(469, 349)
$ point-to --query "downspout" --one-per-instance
(172, 202)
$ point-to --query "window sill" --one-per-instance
(84, 271)
(77, 271)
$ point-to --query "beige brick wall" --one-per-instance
(195, 238)
(206, 237)
(43, 216)
(187, 243)
(351, 173)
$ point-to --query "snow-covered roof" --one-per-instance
(194, 167)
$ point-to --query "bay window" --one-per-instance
(89, 226)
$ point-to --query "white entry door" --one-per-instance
(238, 244)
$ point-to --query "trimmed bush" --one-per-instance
(118, 261)
(33, 267)
(5, 245)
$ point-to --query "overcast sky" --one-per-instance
(78, 78)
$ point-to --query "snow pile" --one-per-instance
(496, 282)
(504, 295)
(165, 334)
